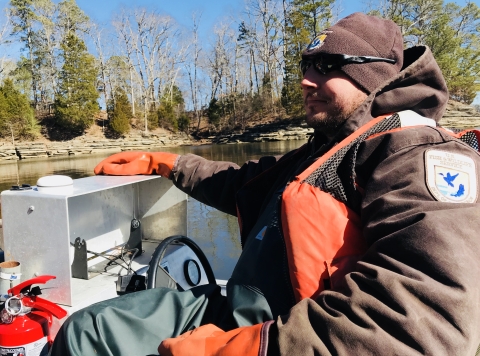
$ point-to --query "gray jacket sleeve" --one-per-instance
(416, 291)
(215, 183)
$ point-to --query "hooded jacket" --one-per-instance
(416, 290)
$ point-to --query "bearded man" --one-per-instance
(364, 241)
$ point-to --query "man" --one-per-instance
(362, 242)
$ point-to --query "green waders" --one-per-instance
(136, 323)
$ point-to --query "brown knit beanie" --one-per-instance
(362, 35)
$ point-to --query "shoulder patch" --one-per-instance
(451, 177)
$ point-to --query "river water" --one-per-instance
(216, 233)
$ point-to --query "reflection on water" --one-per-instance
(215, 232)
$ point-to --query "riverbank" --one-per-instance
(276, 131)
(458, 116)
(86, 145)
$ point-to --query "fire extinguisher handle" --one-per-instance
(37, 280)
(45, 305)
(33, 301)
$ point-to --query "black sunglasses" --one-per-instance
(326, 62)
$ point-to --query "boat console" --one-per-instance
(92, 233)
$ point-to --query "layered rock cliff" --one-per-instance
(457, 116)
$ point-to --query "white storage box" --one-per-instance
(39, 227)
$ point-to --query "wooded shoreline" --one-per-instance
(91, 145)
(458, 116)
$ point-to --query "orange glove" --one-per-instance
(208, 340)
(133, 163)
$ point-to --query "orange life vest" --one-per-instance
(323, 236)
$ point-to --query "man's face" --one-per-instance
(329, 99)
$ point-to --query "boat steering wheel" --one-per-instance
(160, 250)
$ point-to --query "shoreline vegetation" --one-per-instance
(95, 141)
(458, 116)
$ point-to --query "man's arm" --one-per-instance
(211, 182)
(215, 183)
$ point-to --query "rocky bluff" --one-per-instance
(457, 116)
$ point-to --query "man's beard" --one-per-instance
(329, 122)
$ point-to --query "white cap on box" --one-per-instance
(55, 184)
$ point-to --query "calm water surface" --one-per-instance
(215, 232)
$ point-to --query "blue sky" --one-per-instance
(212, 10)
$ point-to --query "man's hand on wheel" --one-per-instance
(133, 163)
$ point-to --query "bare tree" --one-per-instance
(269, 16)
(148, 40)
(96, 33)
(4, 31)
(126, 39)
(221, 58)
(118, 74)
(47, 46)
(192, 67)
(22, 17)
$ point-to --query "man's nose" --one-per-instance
(310, 79)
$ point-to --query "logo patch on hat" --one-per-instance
(451, 177)
(318, 41)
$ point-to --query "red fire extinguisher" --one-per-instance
(26, 319)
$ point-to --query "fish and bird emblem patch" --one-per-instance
(451, 177)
